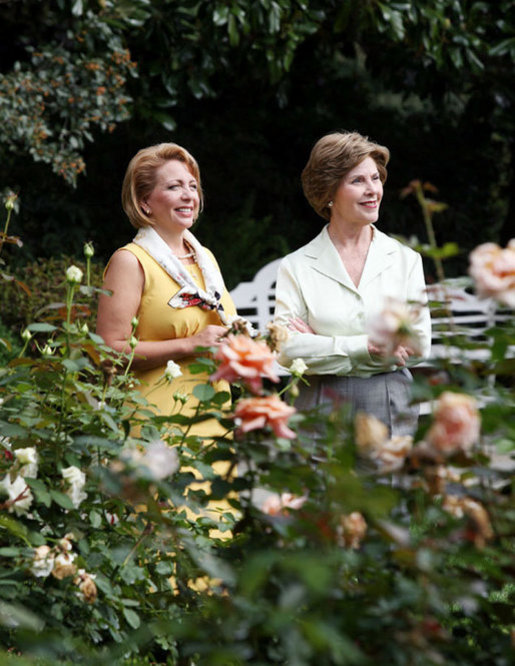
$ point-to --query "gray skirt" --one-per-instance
(386, 396)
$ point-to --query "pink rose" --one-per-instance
(256, 413)
(394, 327)
(456, 423)
(242, 358)
(493, 269)
(275, 505)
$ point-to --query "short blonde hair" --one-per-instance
(140, 178)
(331, 158)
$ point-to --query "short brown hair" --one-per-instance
(140, 178)
(331, 158)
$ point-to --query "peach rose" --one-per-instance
(258, 412)
(493, 270)
(242, 358)
(275, 505)
(456, 423)
(460, 507)
(370, 432)
(390, 456)
(373, 443)
(352, 530)
(86, 585)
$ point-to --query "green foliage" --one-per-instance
(111, 551)
(50, 106)
(44, 293)
(9, 344)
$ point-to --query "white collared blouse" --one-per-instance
(312, 284)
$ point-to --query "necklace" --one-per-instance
(186, 256)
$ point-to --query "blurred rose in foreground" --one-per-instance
(275, 505)
(352, 530)
(277, 334)
(394, 327)
(161, 460)
(456, 424)
(461, 507)
(493, 270)
(259, 412)
(242, 358)
(373, 443)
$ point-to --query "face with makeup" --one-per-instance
(358, 196)
(174, 202)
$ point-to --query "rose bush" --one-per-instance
(108, 555)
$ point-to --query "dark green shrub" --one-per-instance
(10, 344)
(45, 280)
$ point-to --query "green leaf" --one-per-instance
(40, 491)
(95, 518)
(204, 392)
(132, 618)
(13, 526)
(221, 397)
(10, 551)
(62, 499)
(42, 328)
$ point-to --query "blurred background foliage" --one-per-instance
(248, 86)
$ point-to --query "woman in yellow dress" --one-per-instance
(168, 282)
(165, 279)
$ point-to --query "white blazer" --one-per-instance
(312, 284)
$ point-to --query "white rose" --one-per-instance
(19, 494)
(74, 275)
(43, 562)
(73, 475)
(63, 566)
(77, 480)
(172, 371)
(29, 458)
(161, 460)
(27, 455)
(394, 326)
(298, 367)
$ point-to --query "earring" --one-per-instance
(330, 204)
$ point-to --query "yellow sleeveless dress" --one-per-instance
(158, 321)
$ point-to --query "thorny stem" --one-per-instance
(428, 221)
(6, 227)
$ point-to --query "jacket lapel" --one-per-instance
(324, 258)
(381, 255)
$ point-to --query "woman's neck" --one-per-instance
(349, 236)
(174, 240)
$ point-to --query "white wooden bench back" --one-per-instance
(255, 300)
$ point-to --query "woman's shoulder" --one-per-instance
(395, 245)
(310, 249)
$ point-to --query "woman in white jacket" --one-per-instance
(329, 290)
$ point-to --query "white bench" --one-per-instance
(454, 312)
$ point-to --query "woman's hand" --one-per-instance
(210, 337)
(400, 354)
(299, 326)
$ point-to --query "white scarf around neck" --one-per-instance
(190, 293)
